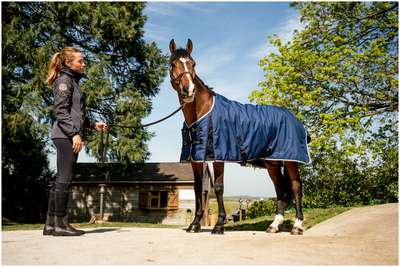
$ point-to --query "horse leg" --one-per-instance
(219, 192)
(292, 169)
(198, 191)
(274, 171)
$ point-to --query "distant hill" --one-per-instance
(252, 198)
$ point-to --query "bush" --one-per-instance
(262, 208)
(341, 181)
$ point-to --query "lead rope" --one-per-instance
(103, 148)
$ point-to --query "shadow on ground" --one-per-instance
(102, 230)
(252, 226)
(259, 226)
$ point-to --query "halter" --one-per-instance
(179, 78)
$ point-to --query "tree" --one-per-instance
(25, 174)
(340, 180)
(339, 75)
(123, 72)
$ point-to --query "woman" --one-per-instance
(65, 70)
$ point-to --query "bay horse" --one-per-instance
(210, 133)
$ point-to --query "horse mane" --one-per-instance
(210, 89)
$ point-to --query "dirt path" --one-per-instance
(367, 235)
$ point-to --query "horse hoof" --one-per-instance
(272, 230)
(195, 228)
(296, 231)
(218, 230)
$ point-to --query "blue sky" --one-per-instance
(229, 39)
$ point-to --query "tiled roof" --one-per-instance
(162, 172)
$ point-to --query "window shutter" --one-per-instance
(144, 200)
(173, 200)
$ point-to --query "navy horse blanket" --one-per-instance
(237, 132)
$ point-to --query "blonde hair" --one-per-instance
(57, 61)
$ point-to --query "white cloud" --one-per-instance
(158, 8)
(234, 91)
(156, 32)
(171, 8)
(213, 60)
(221, 67)
(160, 32)
(215, 67)
(284, 32)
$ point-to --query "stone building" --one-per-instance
(144, 192)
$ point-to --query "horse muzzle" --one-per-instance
(188, 96)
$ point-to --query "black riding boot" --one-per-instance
(61, 224)
(63, 228)
(49, 224)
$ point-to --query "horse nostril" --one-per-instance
(188, 92)
(185, 93)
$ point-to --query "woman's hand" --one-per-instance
(77, 143)
(101, 126)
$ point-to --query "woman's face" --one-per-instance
(76, 63)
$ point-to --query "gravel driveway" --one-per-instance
(367, 235)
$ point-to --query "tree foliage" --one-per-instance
(262, 208)
(122, 71)
(339, 75)
(25, 174)
(340, 180)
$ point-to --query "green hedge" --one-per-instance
(339, 181)
(261, 208)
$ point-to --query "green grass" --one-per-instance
(311, 216)
(17, 227)
(230, 206)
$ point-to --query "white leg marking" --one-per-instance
(278, 220)
(298, 223)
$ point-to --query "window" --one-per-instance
(159, 200)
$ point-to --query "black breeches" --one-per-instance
(66, 160)
(59, 193)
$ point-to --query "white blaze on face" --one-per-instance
(191, 84)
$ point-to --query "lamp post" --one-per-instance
(241, 208)
(101, 191)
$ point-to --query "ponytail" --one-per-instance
(57, 62)
(54, 69)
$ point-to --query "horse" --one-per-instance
(201, 145)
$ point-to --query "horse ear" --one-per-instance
(189, 46)
(172, 46)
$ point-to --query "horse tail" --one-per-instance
(287, 185)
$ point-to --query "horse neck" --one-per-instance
(201, 104)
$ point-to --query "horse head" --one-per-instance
(182, 72)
